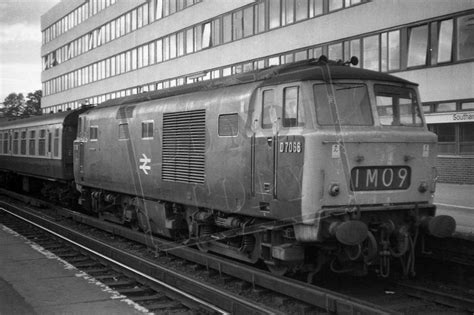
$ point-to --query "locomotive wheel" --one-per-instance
(279, 269)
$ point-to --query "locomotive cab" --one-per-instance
(349, 159)
(369, 175)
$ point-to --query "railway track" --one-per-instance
(283, 294)
(126, 281)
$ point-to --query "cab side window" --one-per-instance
(271, 111)
(94, 132)
(292, 109)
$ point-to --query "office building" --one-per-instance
(95, 50)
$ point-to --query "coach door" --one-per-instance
(265, 146)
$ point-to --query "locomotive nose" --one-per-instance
(439, 226)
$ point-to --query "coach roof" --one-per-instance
(41, 120)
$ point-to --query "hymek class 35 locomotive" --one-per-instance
(300, 166)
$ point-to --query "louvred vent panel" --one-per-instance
(184, 145)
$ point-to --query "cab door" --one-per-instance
(265, 145)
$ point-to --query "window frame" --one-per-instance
(96, 133)
(233, 135)
(147, 136)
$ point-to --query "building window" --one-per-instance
(467, 105)
(227, 28)
(371, 52)
(445, 41)
(206, 36)
(454, 138)
(446, 137)
(351, 48)
(335, 5)
(446, 107)
(248, 20)
(237, 25)
(466, 138)
(301, 10)
(274, 13)
(335, 51)
(465, 37)
(315, 7)
(417, 46)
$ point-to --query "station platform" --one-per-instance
(457, 201)
(34, 281)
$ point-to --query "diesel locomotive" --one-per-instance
(299, 166)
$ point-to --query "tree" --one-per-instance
(14, 105)
(33, 104)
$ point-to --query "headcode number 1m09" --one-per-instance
(380, 178)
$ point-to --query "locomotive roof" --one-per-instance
(46, 119)
(312, 69)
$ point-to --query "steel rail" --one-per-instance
(226, 303)
(310, 294)
(461, 302)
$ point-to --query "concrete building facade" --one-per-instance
(95, 50)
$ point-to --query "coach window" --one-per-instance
(23, 143)
(271, 112)
(93, 133)
(1, 143)
(32, 143)
(6, 144)
(147, 130)
(292, 111)
(56, 143)
(16, 136)
(42, 143)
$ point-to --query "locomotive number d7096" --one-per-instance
(380, 178)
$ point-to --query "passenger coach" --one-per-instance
(38, 148)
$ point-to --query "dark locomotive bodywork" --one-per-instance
(298, 166)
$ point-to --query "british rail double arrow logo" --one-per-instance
(145, 167)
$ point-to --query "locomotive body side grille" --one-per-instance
(184, 145)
